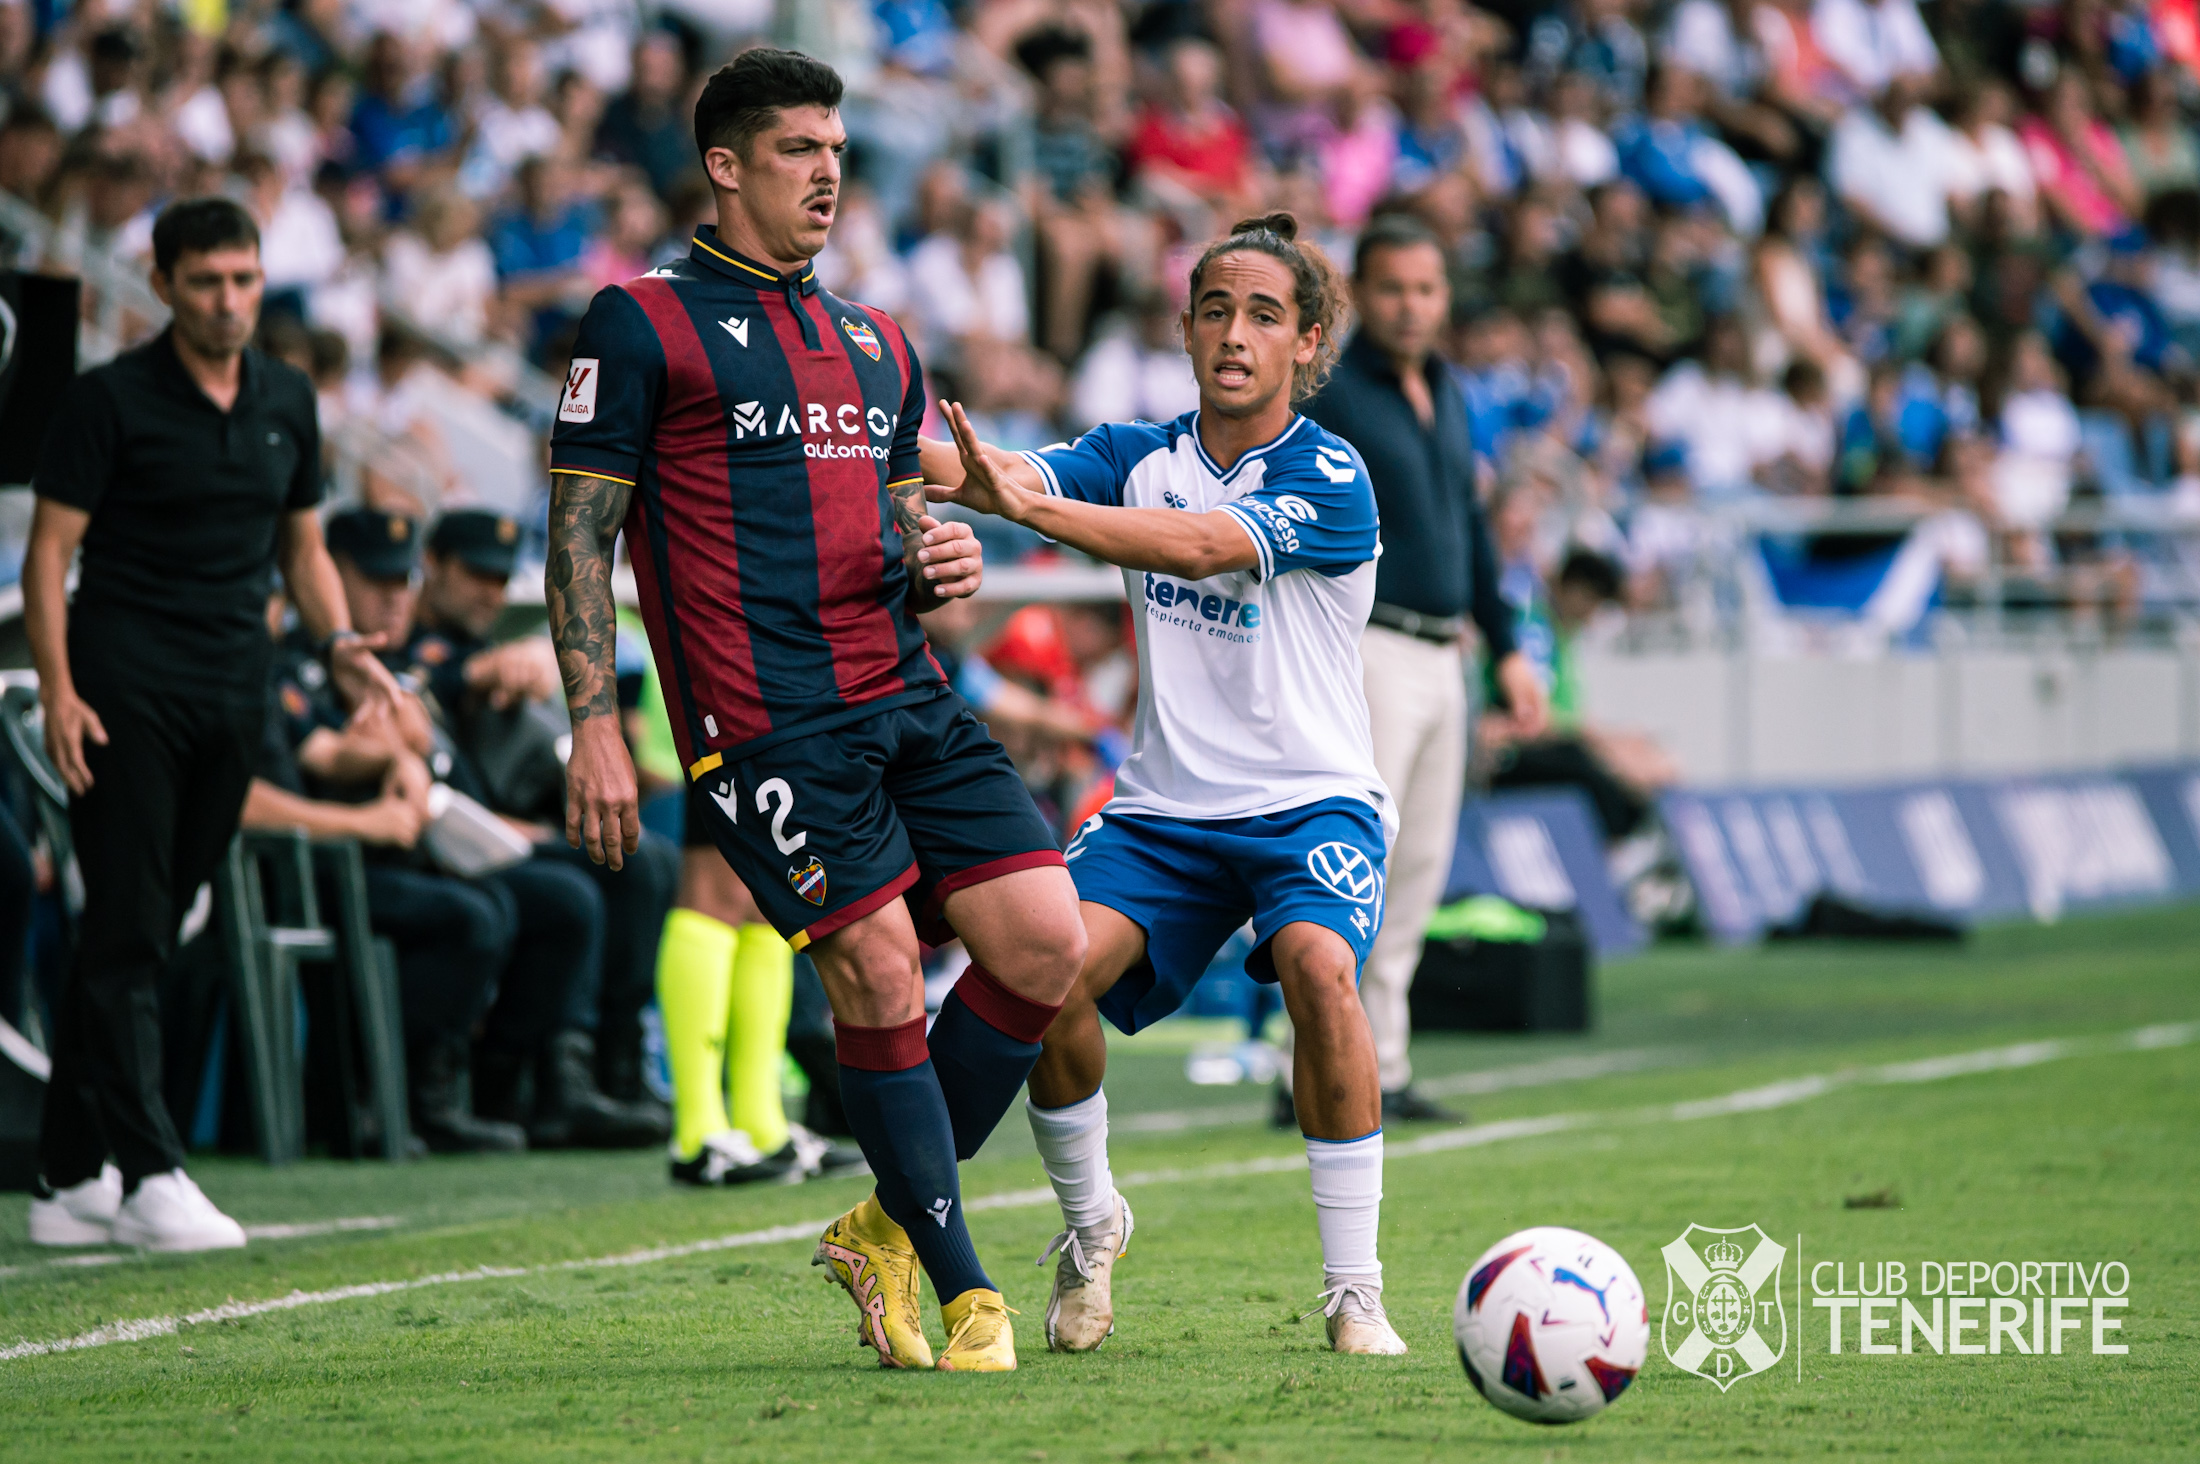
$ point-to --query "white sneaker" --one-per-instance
(82, 1214)
(1081, 1310)
(1357, 1321)
(168, 1213)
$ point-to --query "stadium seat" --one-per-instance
(366, 1015)
(22, 722)
(267, 1007)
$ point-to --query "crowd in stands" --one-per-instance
(1943, 256)
(1941, 259)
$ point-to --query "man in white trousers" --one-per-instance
(1395, 401)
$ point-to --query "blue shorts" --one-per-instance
(1188, 883)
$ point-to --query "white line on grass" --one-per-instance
(307, 1228)
(298, 1231)
(1747, 1100)
(1452, 1085)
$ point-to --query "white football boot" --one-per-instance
(1081, 1311)
(1357, 1321)
(82, 1214)
(168, 1213)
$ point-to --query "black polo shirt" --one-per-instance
(186, 501)
(1437, 558)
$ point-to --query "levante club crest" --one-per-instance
(862, 335)
(809, 881)
(1723, 1319)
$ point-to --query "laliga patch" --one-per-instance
(579, 402)
(809, 881)
(862, 335)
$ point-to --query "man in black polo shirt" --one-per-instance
(1391, 398)
(185, 469)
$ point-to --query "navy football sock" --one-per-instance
(983, 1046)
(900, 1120)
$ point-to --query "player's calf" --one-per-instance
(1340, 1112)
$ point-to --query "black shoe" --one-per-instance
(1404, 1105)
(729, 1158)
(503, 1085)
(619, 1064)
(1283, 1113)
(823, 1158)
(441, 1119)
(570, 1111)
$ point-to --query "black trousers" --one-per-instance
(166, 794)
(558, 920)
(453, 937)
(636, 899)
(1566, 762)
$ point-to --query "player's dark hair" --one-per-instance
(1391, 231)
(1317, 292)
(1039, 50)
(196, 225)
(746, 94)
(1599, 574)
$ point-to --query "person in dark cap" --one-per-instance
(490, 695)
(335, 774)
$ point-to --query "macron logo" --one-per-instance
(727, 803)
(748, 417)
(1341, 470)
(938, 1210)
(737, 328)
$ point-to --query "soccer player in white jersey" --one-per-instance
(1247, 535)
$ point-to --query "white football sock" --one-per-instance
(1348, 1203)
(1073, 1145)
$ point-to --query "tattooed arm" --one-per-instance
(945, 562)
(602, 812)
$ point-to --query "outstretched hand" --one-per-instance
(984, 487)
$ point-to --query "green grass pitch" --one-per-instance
(2087, 1150)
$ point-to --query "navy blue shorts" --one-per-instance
(1188, 883)
(916, 802)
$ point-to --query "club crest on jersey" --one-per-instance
(809, 881)
(862, 335)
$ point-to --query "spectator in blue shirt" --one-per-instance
(1657, 150)
(538, 246)
(398, 123)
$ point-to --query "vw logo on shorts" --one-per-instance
(1345, 870)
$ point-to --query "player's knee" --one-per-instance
(1054, 954)
(1318, 965)
(1047, 957)
(869, 968)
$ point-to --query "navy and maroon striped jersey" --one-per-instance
(760, 420)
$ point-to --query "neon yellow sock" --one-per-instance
(756, 1037)
(694, 987)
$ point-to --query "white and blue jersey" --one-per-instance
(1251, 791)
(1249, 692)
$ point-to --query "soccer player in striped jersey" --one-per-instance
(755, 438)
(1247, 536)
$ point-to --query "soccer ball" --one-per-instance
(1551, 1325)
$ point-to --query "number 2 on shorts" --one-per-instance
(775, 792)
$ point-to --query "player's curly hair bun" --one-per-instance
(1282, 225)
(1317, 291)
